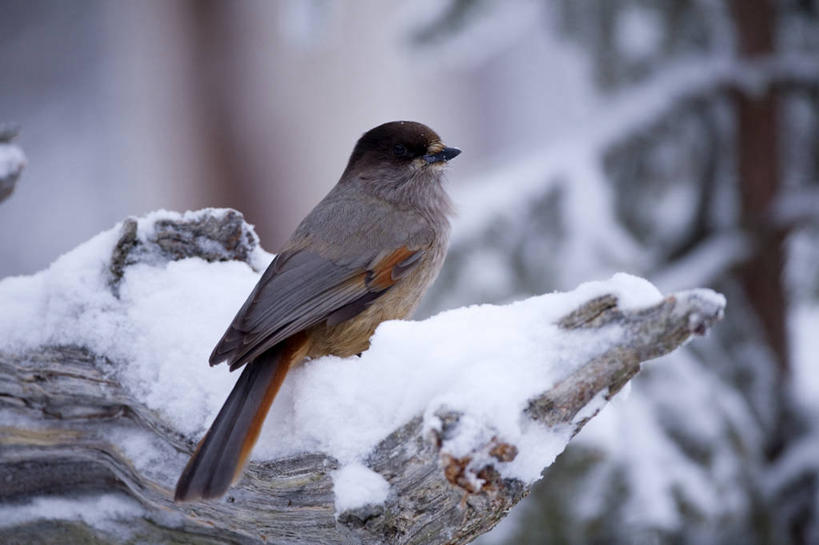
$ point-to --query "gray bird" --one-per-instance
(366, 253)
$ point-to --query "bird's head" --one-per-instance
(399, 149)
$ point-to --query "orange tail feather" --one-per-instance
(221, 454)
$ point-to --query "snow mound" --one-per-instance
(356, 485)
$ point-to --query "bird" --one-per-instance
(366, 253)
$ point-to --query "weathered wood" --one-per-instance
(63, 421)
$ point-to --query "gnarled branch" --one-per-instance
(63, 419)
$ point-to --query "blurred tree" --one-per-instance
(682, 180)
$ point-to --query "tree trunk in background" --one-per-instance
(211, 33)
(761, 276)
(759, 178)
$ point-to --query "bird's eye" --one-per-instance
(399, 150)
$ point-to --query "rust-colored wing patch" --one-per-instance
(386, 272)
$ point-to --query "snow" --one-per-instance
(160, 331)
(12, 160)
(587, 229)
(582, 146)
(163, 325)
(344, 408)
(638, 32)
(495, 30)
(98, 512)
(805, 382)
(710, 259)
(800, 461)
(355, 486)
(592, 407)
(634, 436)
(632, 291)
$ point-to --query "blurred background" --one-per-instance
(673, 139)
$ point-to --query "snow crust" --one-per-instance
(484, 361)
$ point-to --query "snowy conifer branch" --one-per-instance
(80, 448)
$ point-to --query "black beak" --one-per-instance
(444, 155)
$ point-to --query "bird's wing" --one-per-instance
(300, 289)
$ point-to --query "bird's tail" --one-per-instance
(220, 456)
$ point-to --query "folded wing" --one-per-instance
(301, 289)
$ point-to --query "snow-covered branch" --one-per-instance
(12, 160)
(431, 436)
